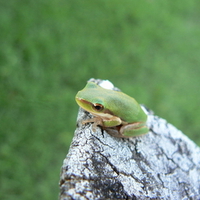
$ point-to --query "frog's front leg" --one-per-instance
(103, 122)
(133, 129)
(97, 121)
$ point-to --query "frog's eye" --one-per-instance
(98, 107)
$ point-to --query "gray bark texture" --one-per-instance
(163, 164)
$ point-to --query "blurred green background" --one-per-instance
(50, 48)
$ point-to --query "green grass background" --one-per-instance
(48, 50)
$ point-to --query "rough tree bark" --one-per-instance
(163, 164)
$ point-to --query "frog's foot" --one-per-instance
(96, 122)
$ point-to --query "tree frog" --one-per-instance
(119, 114)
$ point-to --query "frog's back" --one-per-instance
(126, 107)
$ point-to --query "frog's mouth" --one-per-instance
(82, 102)
(94, 108)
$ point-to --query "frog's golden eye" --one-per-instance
(97, 107)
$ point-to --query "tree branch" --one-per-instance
(163, 164)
